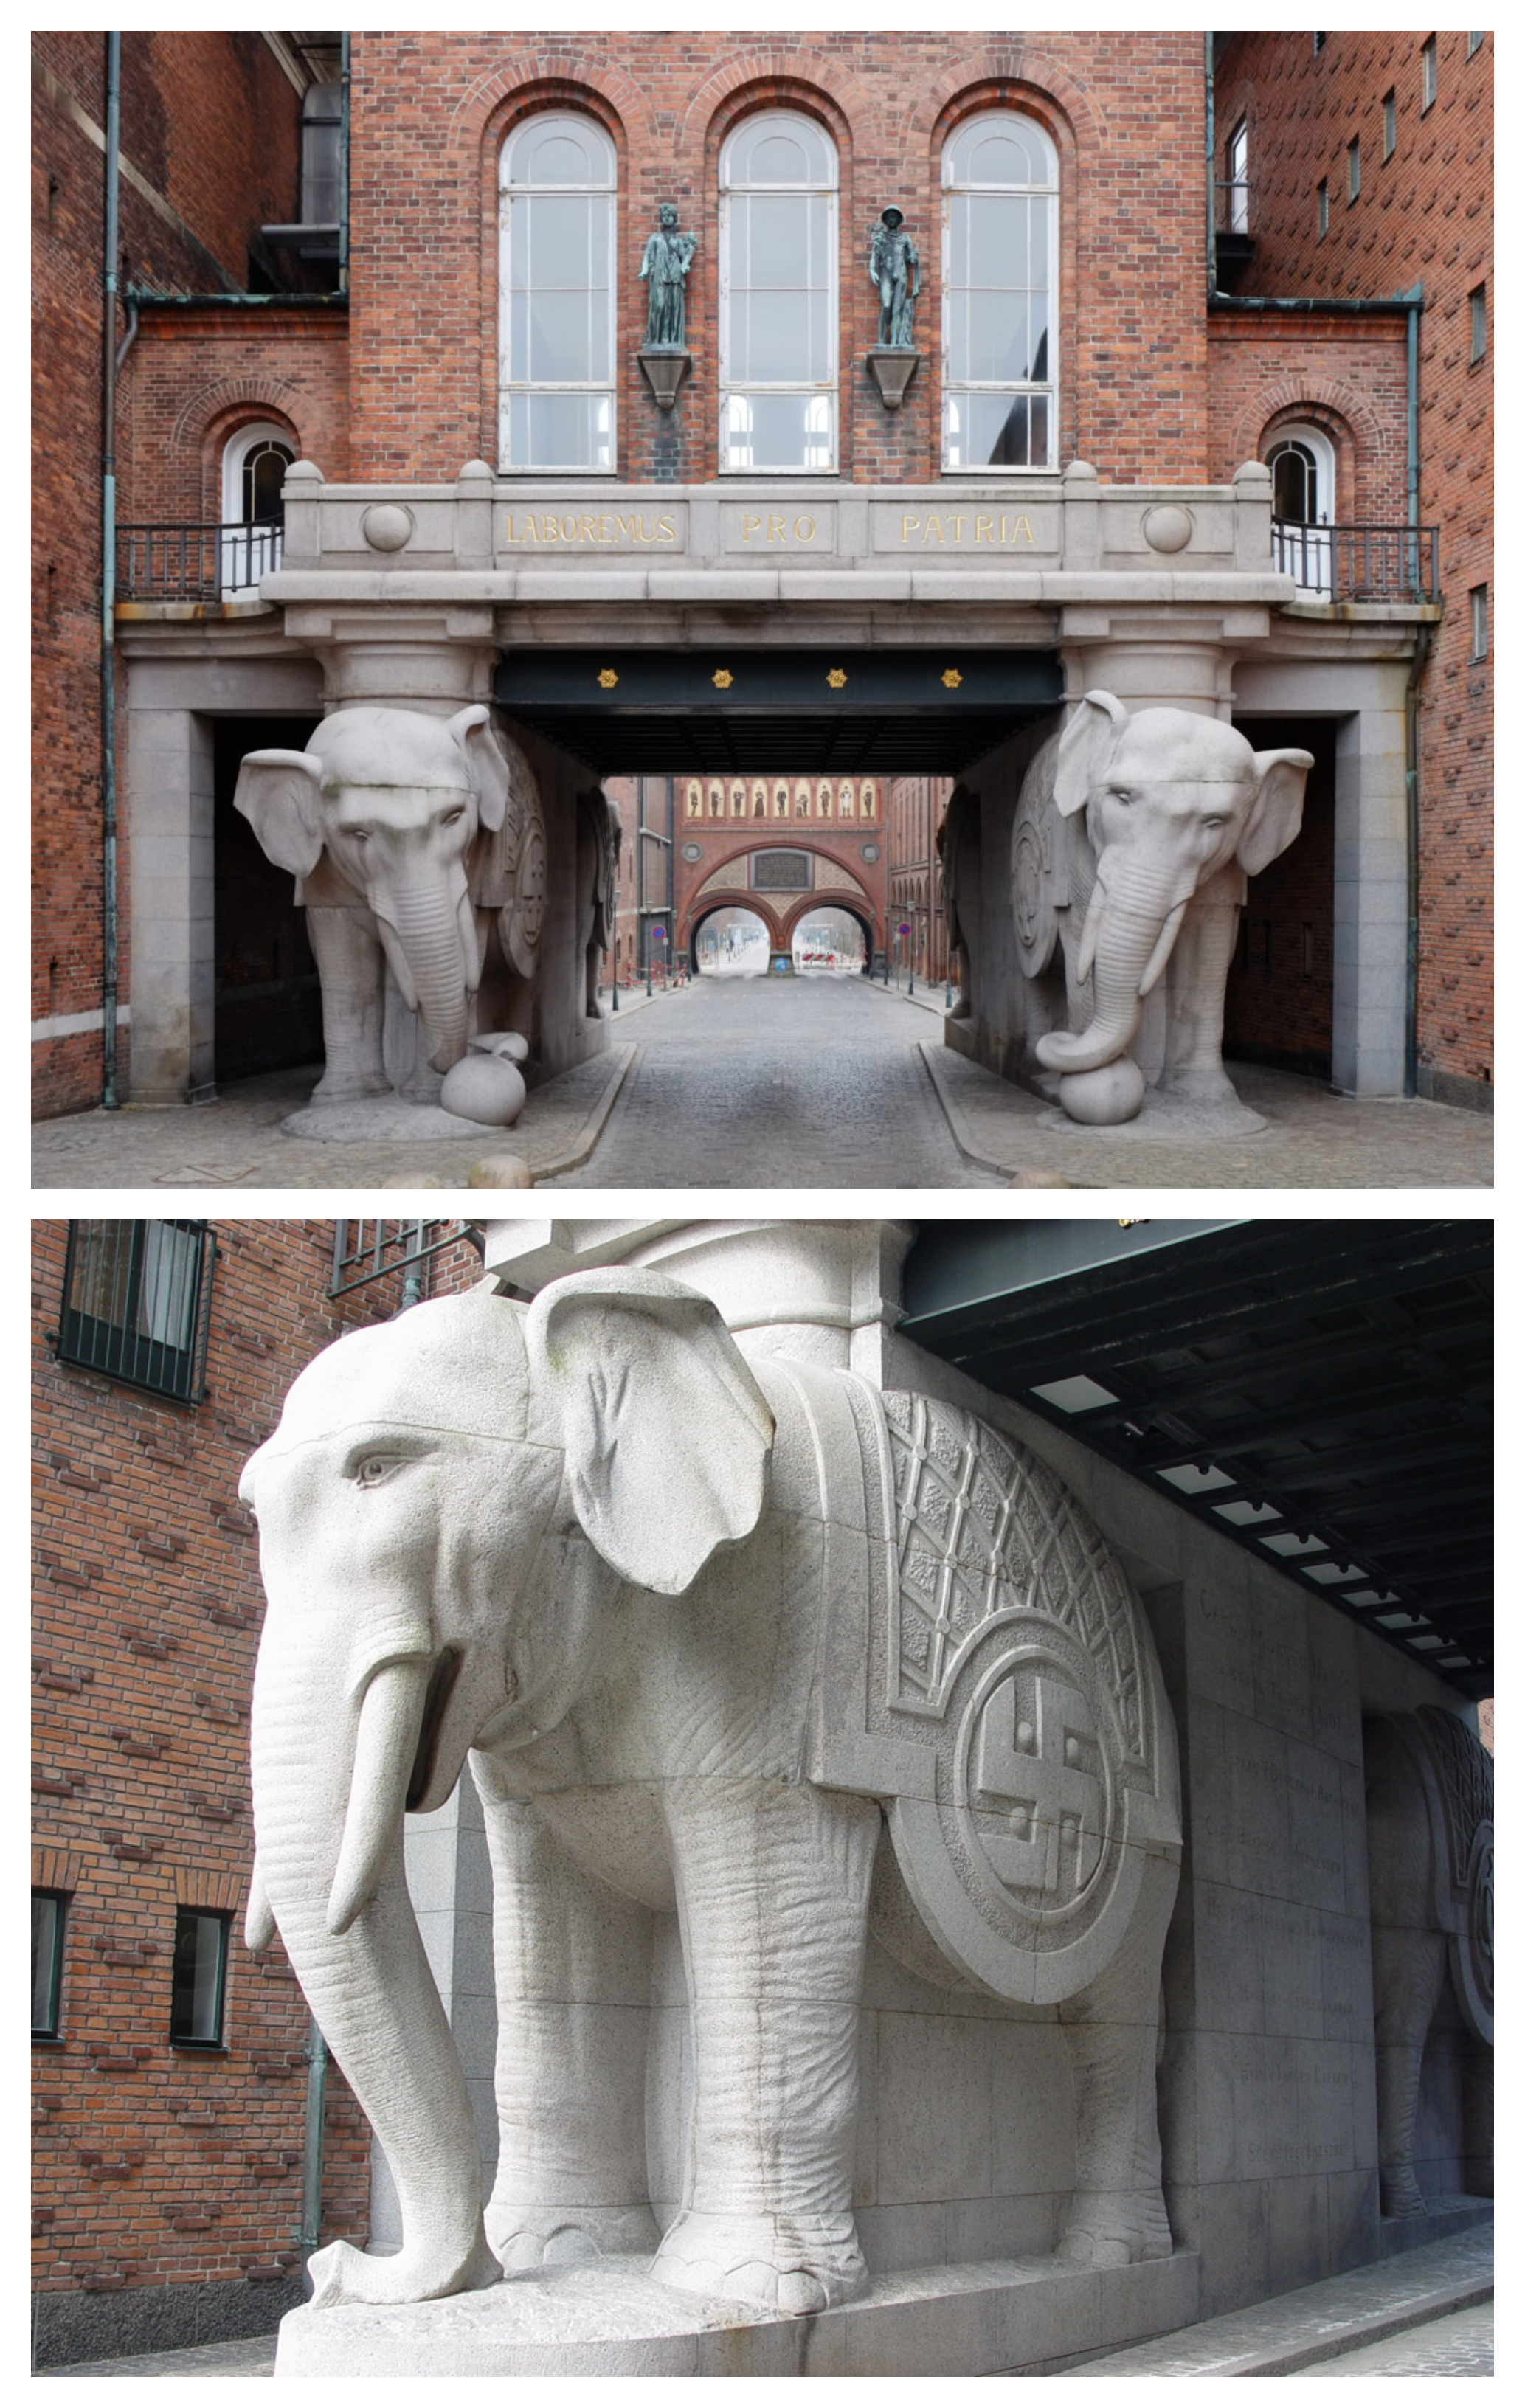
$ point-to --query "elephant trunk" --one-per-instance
(422, 937)
(328, 1810)
(1131, 926)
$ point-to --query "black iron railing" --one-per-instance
(196, 563)
(136, 1300)
(1358, 564)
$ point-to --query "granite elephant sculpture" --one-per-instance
(636, 1581)
(1135, 834)
(418, 850)
(1429, 1849)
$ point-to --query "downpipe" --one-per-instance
(109, 1097)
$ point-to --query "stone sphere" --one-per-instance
(387, 526)
(1168, 527)
(1103, 1097)
(500, 1171)
(484, 1087)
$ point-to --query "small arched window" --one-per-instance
(1301, 463)
(778, 295)
(556, 296)
(254, 465)
(1000, 209)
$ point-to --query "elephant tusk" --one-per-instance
(259, 1922)
(465, 918)
(1164, 945)
(397, 962)
(1085, 958)
(385, 1745)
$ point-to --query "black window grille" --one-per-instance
(48, 1907)
(136, 1299)
(199, 1981)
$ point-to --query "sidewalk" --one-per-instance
(1420, 2313)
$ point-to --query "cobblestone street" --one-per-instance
(799, 1082)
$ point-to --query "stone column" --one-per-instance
(1370, 892)
(173, 964)
(1148, 658)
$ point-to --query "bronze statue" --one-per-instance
(665, 267)
(895, 268)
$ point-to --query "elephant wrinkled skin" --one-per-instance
(1134, 835)
(585, 1544)
(418, 850)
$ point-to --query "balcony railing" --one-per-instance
(1358, 564)
(196, 563)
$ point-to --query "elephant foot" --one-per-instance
(343, 2277)
(1400, 2193)
(526, 2236)
(1115, 2228)
(777, 2262)
(332, 1090)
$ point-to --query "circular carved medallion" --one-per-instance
(1034, 885)
(526, 918)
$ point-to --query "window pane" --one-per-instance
(779, 159)
(197, 1994)
(777, 230)
(46, 1932)
(559, 249)
(166, 1304)
(779, 430)
(997, 240)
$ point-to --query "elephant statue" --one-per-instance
(419, 849)
(599, 836)
(1134, 835)
(759, 1645)
(1430, 1844)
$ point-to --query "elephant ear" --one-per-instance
(279, 795)
(508, 872)
(1085, 748)
(472, 729)
(1276, 813)
(667, 1434)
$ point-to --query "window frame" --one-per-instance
(1429, 75)
(1352, 160)
(1477, 614)
(509, 386)
(60, 1898)
(1237, 159)
(731, 196)
(111, 1344)
(1389, 124)
(185, 1916)
(1051, 385)
(249, 556)
(1478, 316)
(1321, 197)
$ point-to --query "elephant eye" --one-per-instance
(1215, 820)
(373, 1469)
(1122, 794)
(356, 834)
(450, 817)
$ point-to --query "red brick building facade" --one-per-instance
(1154, 378)
(168, 2185)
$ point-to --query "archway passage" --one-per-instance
(732, 941)
(829, 940)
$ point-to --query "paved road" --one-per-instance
(1458, 2344)
(778, 1082)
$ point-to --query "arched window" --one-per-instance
(557, 304)
(1301, 463)
(1001, 209)
(254, 465)
(778, 295)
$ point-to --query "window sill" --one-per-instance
(200, 2048)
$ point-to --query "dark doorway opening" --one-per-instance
(268, 1010)
(1279, 999)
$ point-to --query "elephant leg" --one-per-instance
(773, 1896)
(572, 1966)
(1408, 1969)
(1198, 974)
(350, 974)
(1117, 2212)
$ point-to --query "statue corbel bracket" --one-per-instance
(665, 368)
(892, 369)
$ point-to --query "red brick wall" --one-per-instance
(209, 124)
(193, 379)
(431, 112)
(159, 2165)
(1423, 216)
(1347, 376)
(916, 805)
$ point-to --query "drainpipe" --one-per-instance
(109, 580)
(1212, 168)
(1424, 638)
(1415, 301)
(317, 2077)
(344, 163)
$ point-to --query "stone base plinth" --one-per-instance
(1162, 1117)
(369, 1120)
(612, 2319)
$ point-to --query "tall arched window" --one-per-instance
(778, 295)
(254, 465)
(1301, 463)
(1000, 209)
(556, 305)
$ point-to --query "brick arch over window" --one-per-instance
(790, 76)
(1338, 411)
(211, 417)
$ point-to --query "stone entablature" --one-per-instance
(1049, 539)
